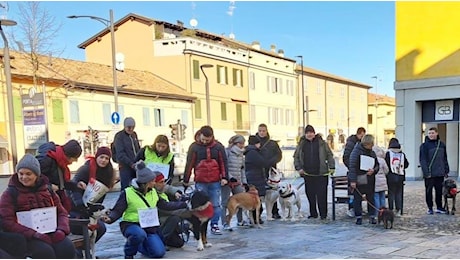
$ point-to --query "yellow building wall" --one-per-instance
(427, 50)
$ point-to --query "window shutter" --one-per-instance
(17, 108)
(106, 114)
(235, 83)
(196, 69)
(58, 111)
(74, 112)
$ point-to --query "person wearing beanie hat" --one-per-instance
(158, 156)
(136, 201)
(27, 191)
(96, 170)
(54, 164)
(314, 161)
(397, 163)
(253, 140)
(125, 147)
(381, 185)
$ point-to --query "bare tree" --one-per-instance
(35, 33)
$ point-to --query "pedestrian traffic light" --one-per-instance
(182, 131)
(174, 131)
(95, 136)
(87, 135)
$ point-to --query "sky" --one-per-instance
(353, 40)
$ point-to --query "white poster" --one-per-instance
(42, 220)
(367, 162)
(444, 110)
(163, 168)
(94, 191)
(148, 217)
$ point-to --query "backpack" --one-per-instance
(112, 148)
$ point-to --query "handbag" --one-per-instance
(362, 179)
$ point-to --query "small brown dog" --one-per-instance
(387, 216)
(249, 200)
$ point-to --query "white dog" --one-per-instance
(271, 194)
(289, 196)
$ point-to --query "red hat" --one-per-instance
(103, 150)
(159, 177)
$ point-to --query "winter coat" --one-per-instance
(48, 166)
(326, 157)
(271, 152)
(438, 166)
(235, 162)
(381, 176)
(254, 165)
(351, 142)
(127, 147)
(355, 162)
(393, 177)
(28, 198)
(206, 171)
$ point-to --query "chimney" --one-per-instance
(281, 52)
(256, 45)
(273, 48)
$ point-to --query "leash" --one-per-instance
(365, 198)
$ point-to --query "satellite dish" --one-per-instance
(231, 36)
(120, 57)
(120, 61)
(193, 22)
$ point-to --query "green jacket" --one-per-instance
(326, 157)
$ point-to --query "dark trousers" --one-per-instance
(41, 250)
(126, 175)
(12, 245)
(358, 193)
(316, 190)
(395, 195)
(349, 192)
(436, 183)
(253, 212)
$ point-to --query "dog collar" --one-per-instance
(272, 181)
(205, 211)
(287, 196)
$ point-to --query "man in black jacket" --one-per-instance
(126, 146)
(272, 153)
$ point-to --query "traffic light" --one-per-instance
(174, 131)
(182, 131)
(95, 136)
(87, 135)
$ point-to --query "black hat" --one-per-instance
(72, 149)
(253, 140)
(309, 128)
(394, 143)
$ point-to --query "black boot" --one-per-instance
(275, 213)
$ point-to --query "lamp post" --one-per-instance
(303, 93)
(9, 88)
(208, 102)
(108, 24)
(376, 106)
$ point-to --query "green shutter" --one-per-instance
(17, 108)
(218, 73)
(58, 111)
(223, 111)
(234, 77)
(198, 109)
(196, 69)
(226, 76)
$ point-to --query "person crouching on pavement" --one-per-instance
(135, 206)
(29, 190)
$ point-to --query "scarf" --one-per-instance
(396, 162)
(92, 169)
(61, 160)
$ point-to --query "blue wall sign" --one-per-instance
(115, 118)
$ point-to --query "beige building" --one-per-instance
(78, 95)
(381, 118)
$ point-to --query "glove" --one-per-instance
(58, 236)
(331, 172)
(43, 237)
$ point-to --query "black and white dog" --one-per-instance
(202, 211)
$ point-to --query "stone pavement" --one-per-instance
(415, 235)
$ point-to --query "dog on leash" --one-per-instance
(202, 211)
(449, 191)
(248, 201)
(288, 197)
(271, 194)
(386, 216)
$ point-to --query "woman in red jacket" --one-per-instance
(28, 190)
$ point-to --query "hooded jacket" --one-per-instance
(433, 158)
(326, 157)
(351, 142)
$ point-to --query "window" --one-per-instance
(237, 77)
(58, 111)
(159, 115)
(290, 87)
(252, 80)
(106, 114)
(74, 112)
(146, 116)
(198, 109)
(196, 69)
(222, 75)
(277, 85)
(342, 91)
(369, 119)
(289, 117)
(184, 117)
(253, 113)
(223, 111)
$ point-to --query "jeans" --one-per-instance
(379, 199)
(137, 239)
(126, 175)
(213, 189)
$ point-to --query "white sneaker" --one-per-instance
(227, 227)
(351, 213)
(398, 213)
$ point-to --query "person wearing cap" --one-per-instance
(54, 163)
(236, 176)
(126, 146)
(314, 161)
(96, 168)
(254, 164)
(206, 158)
(397, 163)
(133, 204)
(158, 156)
(272, 154)
(27, 190)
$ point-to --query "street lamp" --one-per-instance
(208, 102)
(303, 93)
(9, 88)
(108, 24)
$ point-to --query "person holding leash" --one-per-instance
(398, 163)
(435, 167)
(314, 161)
